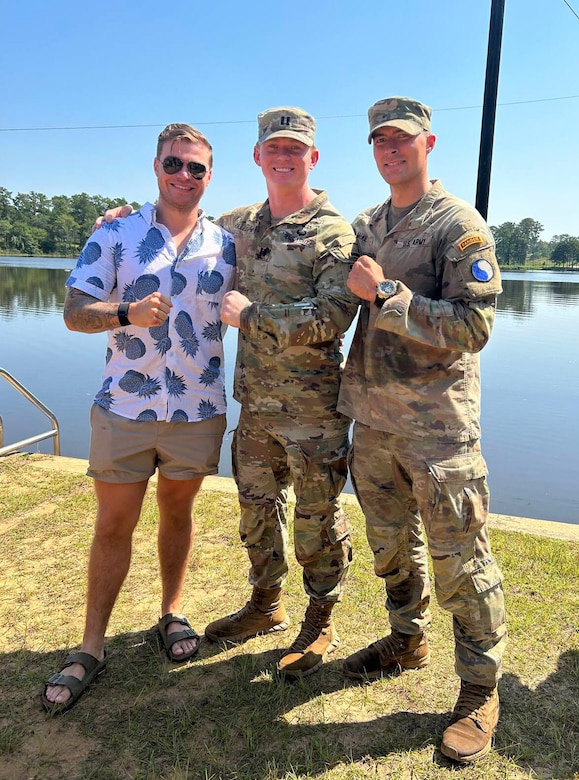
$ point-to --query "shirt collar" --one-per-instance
(421, 211)
(149, 212)
(300, 217)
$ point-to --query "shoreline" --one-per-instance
(547, 266)
(548, 528)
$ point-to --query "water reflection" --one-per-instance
(522, 296)
(38, 288)
(33, 290)
(530, 381)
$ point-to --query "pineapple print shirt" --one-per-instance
(173, 372)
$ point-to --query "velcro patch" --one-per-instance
(470, 240)
(482, 270)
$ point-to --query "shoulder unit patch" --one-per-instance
(482, 270)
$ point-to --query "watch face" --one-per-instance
(386, 288)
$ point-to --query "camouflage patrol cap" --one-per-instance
(406, 114)
(286, 122)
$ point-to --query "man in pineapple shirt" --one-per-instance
(428, 276)
(154, 282)
(291, 306)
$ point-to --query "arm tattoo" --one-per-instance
(84, 313)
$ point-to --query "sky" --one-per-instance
(86, 88)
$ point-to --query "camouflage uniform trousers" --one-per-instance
(268, 454)
(398, 482)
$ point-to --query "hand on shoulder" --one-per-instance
(120, 212)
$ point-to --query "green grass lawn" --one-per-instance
(225, 715)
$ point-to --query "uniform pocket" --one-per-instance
(323, 468)
(459, 493)
(487, 607)
(339, 529)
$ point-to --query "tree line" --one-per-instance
(519, 244)
(33, 224)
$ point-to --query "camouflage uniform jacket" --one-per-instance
(295, 271)
(413, 368)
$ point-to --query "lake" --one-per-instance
(530, 381)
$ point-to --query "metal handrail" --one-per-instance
(54, 433)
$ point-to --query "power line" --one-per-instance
(571, 9)
(116, 127)
(251, 121)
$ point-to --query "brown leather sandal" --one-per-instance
(92, 668)
(177, 636)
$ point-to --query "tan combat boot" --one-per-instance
(264, 613)
(316, 640)
(392, 653)
(472, 723)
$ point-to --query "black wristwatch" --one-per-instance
(385, 290)
(123, 314)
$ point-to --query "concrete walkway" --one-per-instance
(550, 528)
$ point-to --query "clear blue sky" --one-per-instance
(128, 69)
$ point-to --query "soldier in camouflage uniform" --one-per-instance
(291, 305)
(426, 267)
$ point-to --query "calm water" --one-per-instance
(530, 372)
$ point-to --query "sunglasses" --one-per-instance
(173, 165)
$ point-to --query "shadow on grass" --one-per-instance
(543, 722)
(226, 715)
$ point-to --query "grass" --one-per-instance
(225, 715)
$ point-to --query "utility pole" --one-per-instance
(489, 107)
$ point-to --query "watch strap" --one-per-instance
(123, 314)
(379, 302)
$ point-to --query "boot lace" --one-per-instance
(390, 646)
(248, 609)
(315, 620)
(470, 704)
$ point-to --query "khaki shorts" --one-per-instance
(124, 450)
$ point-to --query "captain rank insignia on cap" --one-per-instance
(286, 122)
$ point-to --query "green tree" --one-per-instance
(516, 243)
(65, 234)
(60, 205)
(530, 230)
(6, 206)
(84, 210)
(31, 223)
(23, 239)
(566, 252)
(510, 244)
(5, 232)
(31, 205)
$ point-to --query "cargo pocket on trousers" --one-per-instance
(324, 468)
(487, 608)
(459, 495)
(338, 528)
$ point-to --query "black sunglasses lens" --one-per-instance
(197, 170)
(172, 165)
